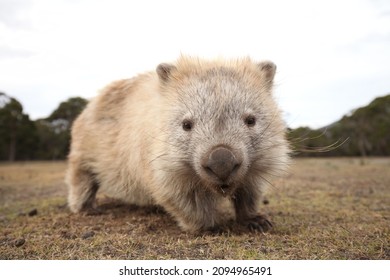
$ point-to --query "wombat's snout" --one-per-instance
(221, 163)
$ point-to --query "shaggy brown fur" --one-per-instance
(191, 136)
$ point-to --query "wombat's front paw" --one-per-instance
(258, 223)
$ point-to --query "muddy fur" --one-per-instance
(164, 137)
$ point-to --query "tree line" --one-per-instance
(363, 132)
(44, 139)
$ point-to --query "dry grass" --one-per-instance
(326, 209)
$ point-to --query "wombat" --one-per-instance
(190, 137)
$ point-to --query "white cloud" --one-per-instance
(13, 13)
(331, 55)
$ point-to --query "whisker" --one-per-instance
(268, 182)
(320, 149)
(324, 149)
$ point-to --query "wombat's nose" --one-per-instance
(221, 163)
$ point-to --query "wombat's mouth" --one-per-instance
(221, 167)
(224, 189)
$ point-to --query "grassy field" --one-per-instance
(325, 209)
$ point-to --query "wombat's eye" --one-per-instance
(187, 125)
(250, 121)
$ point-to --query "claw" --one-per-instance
(259, 223)
(268, 223)
(255, 227)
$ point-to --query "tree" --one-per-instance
(54, 131)
(63, 117)
(16, 129)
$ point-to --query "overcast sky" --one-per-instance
(332, 56)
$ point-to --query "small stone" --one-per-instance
(19, 242)
(263, 250)
(88, 234)
(33, 212)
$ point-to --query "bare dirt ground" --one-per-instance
(325, 209)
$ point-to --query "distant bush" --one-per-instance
(364, 132)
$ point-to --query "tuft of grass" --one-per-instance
(325, 209)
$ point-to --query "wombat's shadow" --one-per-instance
(122, 209)
(156, 215)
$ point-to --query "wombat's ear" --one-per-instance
(164, 70)
(268, 68)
